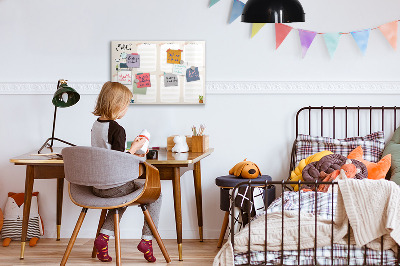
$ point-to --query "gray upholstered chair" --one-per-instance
(85, 167)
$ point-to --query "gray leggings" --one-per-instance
(154, 208)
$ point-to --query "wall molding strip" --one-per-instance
(231, 87)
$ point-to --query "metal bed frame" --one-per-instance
(283, 184)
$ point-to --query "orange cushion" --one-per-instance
(375, 170)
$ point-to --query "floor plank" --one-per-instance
(49, 252)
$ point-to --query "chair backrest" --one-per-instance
(92, 166)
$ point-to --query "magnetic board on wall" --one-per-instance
(160, 72)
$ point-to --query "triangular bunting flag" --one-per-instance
(361, 37)
(389, 30)
(306, 39)
(213, 2)
(281, 31)
(332, 41)
(256, 27)
(237, 9)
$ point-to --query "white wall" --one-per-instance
(42, 41)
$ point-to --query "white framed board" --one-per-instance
(160, 72)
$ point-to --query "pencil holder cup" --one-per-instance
(200, 143)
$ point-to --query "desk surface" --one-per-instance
(164, 157)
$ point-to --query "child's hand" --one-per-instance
(137, 144)
(142, 155)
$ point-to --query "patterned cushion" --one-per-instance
(372, 144)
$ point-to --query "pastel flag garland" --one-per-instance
(281, 31)
(389, 30)
(361, 37)
(256, 27)
(237, 9)
(213, 2)
(332, 41)
(306, 39)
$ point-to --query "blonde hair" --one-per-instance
(112, 99)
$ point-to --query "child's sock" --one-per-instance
(146, 247)
(101, 245)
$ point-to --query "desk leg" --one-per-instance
(27, 206)
(176, 182)
(60, 190)
(197, 189)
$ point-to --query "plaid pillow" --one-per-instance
(372, 145)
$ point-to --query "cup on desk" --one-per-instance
(152, 155)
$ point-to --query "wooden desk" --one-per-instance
(171, 167)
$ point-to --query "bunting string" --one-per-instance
(361, 37)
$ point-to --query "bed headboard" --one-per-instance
(344, 121)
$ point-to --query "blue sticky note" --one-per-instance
(192, 75)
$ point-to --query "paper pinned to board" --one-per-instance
(133, 60)
(144, 80)
(125, 77)
(174, 56)
(192, 74)
(170, 80)
(179, 69)
(136, 90)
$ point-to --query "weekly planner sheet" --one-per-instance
(160, 72)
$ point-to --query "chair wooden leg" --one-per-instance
(154, 230)
(223, 229)
(101, 222)
(117, 239)
(73, 237)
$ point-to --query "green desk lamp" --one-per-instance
(65, 96)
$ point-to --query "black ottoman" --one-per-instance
(226, 183)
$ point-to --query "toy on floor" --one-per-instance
(245, 169)
(180, 144)
(13, 215)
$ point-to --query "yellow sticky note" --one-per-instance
(174, 56)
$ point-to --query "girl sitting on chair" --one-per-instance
(112, 104)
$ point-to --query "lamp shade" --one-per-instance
(273, 11)
(65, 96)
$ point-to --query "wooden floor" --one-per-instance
(50, 252)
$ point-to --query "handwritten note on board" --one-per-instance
(144, 80)
(174, 56)
(179, 69)
(170, 80)
(192, 74)
(133, 60)
(125, 77)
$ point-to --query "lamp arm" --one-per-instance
(54, 126)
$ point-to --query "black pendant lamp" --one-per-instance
(273, 11)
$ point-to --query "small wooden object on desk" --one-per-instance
(200, 143)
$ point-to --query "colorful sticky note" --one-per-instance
(133, 60)
(136, 90)
(125, 77)
(192, 74)
(170, 80)
(179, 69)
(123, 65)
(144, 80)
(174, 56)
